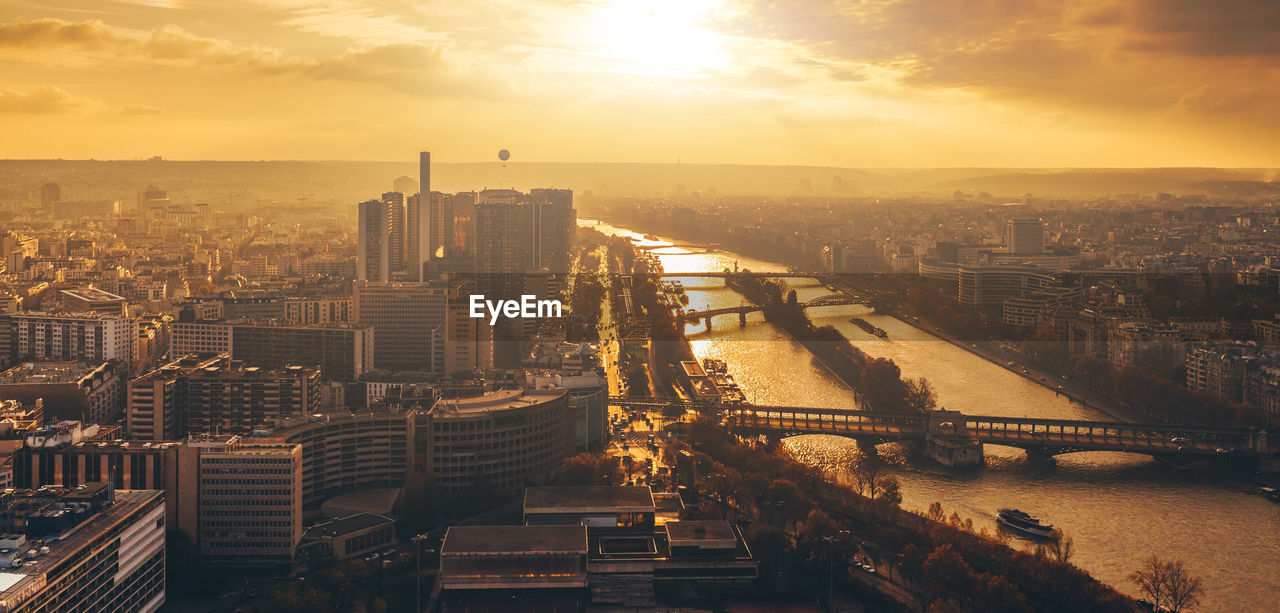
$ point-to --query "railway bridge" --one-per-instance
(954, 438)
(694, 317)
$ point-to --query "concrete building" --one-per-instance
(309, 311)
(408, 321)
(342, 351)
(373, 245)
(347, 537)
(1219, 368)
(249, 506)
(992, 285)
(195, 395)
(87, 392)
(468, 340)
(1025, 236)
(92, 300)
(344, 452)
(83, 337)
(1150, 345)
(99, 550)
(507, 437)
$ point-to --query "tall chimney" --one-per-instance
(424, 173)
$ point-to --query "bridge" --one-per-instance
(944, 432)
(727, 274)
(742, 310)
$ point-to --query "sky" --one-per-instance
(856, 83)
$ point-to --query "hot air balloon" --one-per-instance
(504, 155)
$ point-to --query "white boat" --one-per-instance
(1024, 524)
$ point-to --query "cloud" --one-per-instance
(46, 99)
(48, 32)
(131, 110)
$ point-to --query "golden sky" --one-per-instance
(865, 83)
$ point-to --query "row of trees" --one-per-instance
(767, 483)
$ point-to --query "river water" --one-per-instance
(1119, 508)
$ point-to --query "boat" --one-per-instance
(651, 237)
(867, 327)
(1024, 524)
(1270, 493)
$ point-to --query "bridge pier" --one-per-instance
(954, 451)
(1041, 455)
(742, 319)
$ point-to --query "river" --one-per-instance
(1119, 508)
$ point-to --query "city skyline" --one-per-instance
(883, 84)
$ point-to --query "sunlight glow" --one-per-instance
(659, 38)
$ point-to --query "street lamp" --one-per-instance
(417, 543)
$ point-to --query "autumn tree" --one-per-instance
(1168, 584)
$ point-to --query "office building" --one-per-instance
(342, 351)
(194, 395)
(373, 243)
(344, 452)
(408, 321)
(468, 340)
(347, 537)
(249, 499)
(309, 311)
(91, 300)
(95, 549)
(506, 438)
(395, 229)
(49, 194)
(1025, 236)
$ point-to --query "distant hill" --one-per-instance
(255, 183)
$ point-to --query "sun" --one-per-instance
(667, 38)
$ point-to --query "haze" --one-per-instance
(1010, 83)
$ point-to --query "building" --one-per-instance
(394, 202)
(992, 285)
(195, 395)
(347, 537)
(92, 300)
(373, 243)
(1155, 346)
(342, 351)
(249, 499)
(408, 321)
(344, 452)
(87, 392)
(587, 401)
(1025, 236)
(589, 548)
(1219, 368)
(506, 438)
(83, 337)
(76, 209)
(309, 311)
(468, 340)
(96, 549)
(49, 194)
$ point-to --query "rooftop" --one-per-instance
(347, 525)
(588, 499)
(497, 401)
(473, 540)
(48, 372)
(92, 294)
(18, 583)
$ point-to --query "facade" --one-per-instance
(249, 499)
(507, 438)
(373, 243)
(343, 452)
(992, 285)
(1025, 236)
(92, 300)
(347, 537)
(217, 395)
(106, 556)
(341, 351)
(468, 340)
(408, 321)
(84, 337)
(92, 393)
(1219, 368)
(308, 311)
(1145, 344)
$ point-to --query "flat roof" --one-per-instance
(348, 525)
(588, 499)
(497, 401)
(480, 540)
(49, 372)
(16, 579)
(701, 532)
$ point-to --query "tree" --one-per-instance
(888, 495)
(882, 385)
(1168, 584)
(1060, 546)
(867, 467)
(637, 382)
(920, 395)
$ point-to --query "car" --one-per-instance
(1179, 440)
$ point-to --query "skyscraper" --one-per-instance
(419, 218)
(49, 194)
(373, 242)
(408, 322)
(395, 228)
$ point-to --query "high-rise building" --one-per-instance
(95, 549)
(469, 340)
(1025, 236)
(342, 351)
(374, 242)
(555, 221)
(501, 249)
(395, 229)
(408, 321)
(49, 194)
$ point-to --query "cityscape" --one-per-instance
(712, 305)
